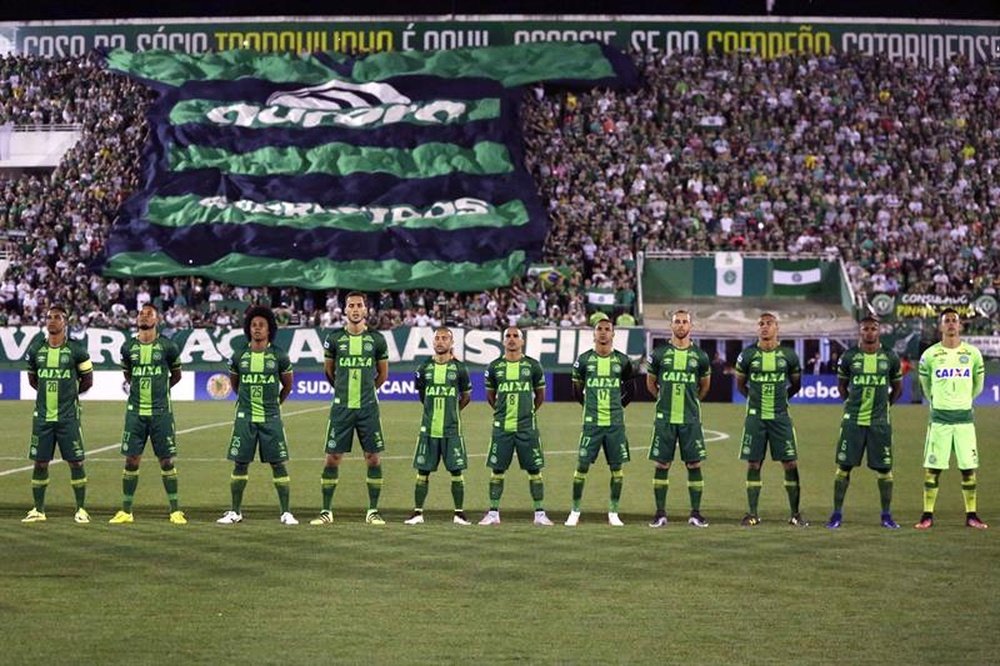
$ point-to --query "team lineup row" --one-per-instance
(951, 373)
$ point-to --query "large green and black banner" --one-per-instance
(323, 170)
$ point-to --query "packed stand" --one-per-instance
(888, 164)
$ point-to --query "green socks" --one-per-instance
(792, 488)
(885, 490)
(169, 476)
(78, 480)
(615, 486)
(537, 488)
(281, 484)
(660, 486)
(496, 490)
(39, 483)
(841, 481)
(696, 484)
(458, 490)
(130, 481)
(753, 489)
(420, 490)
(579, 481)
(328, 482)
(374, 486)
(237, 484)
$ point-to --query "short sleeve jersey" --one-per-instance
(869, 378)
(58, 370)
(953, 376)
(442, 384)
(260, 382)
(355, 359)
(679, 373)
(514, 383)
(149, 365)
(601, 378)
(767, 373)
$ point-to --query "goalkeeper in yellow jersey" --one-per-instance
(951, 376)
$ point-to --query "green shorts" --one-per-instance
(943, 438)
(268, 435)
(45, 435)
(855, 440)
(344, 421)
(666, 436)
(158, 429)
(758, 435)
(432, 450)
(610, 438)
(503, 444)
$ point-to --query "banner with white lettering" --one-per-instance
(205, 349)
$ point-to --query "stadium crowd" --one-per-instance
(890, 165)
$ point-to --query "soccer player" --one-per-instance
(678, 374)
(152, 366)
(356, 361)
(59, 369)
(602, 382)
(261, 375)
(445, 389)
(952, 376)
(870, 379)
(515, 389)
(769, 375)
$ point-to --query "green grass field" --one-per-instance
(263, 593)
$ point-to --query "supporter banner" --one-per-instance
(934, 42)
(323, 171)
(728, 274)
(204, 349)
(791, 278)
(930, 306)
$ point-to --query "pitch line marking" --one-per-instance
(716, 436)
(206, 426)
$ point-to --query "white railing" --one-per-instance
(832, 255)
(53, 127)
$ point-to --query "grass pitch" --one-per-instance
(263, 593)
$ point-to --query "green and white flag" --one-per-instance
(728, 274)
(601, 298)
(794, 277)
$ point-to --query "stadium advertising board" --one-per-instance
(823, 390)
(935, 42)
(313, 386)
(108, 385)
(205, 349)
(10, 385)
